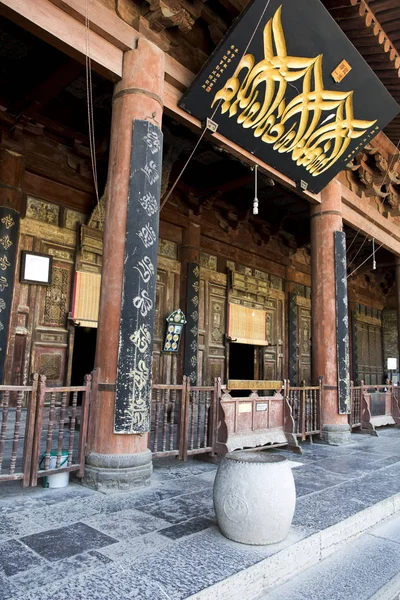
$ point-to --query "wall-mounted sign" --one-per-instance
(277, 98)
(175, 323)
(392, 364)
(36, 268)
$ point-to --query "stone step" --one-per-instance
(365, 569)
(268, 574)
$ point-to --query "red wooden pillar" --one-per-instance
(121, 461)
(11, 195)
(326, 218)
(398, 308)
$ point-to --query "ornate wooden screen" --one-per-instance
(212, 324)
(367, 347)
(299, 340)
(275, 334)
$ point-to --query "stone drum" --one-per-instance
(254, 497)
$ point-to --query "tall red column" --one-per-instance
(397, 270)
(326, 218)
(121, 461)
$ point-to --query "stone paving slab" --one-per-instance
(162, 541)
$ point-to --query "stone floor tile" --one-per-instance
(173, 470)
(302, 489)
(202, 560)
(7, 590)
(182, 508)
(128, 552)
(181, 530)
(17, 525)
(317, 478)
(57, 544)
(113, 582)
(39, 577)
(321, 510)
(126, 524)
(67, 512)
(16, 557)
(347, 465)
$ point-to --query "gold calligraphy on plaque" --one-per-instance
(316, 127)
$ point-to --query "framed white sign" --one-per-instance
(36, 268)
(392, 364)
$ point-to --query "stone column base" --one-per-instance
(118, 472)
(336, 434)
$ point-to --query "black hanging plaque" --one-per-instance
(9, 226)
(192, 328)
(300, 97)
(135, 353)
(342, 323)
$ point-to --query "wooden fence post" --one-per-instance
(38, 431)
(29, 431)
(83, 433)
(183, 420)
(321, 402)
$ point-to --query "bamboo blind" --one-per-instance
(247, 325)
(85, 310)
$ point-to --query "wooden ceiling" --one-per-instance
(373, 26)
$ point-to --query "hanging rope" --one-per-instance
(168, 195)
(366, 260)
(255, 201)
(90, 111)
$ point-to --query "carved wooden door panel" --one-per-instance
(369, 356)
(167, 300)
(304, 345)
(275, 328)
(39, 338)
(212, 327)
(50, 342)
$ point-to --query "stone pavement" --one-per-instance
(162, 542)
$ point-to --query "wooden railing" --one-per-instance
(56, 433)
(306, 404)
(40, 436)
(183, 419)
(356, 396)
(374, 405)
(17, 430)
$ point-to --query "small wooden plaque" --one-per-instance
(246, 384)
(341, 71)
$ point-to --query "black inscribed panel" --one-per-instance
(135, 353)
(192, 326)
(342, 323)
(9, 226)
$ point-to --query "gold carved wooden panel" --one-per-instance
(304, 344)
(50, 365)
(165, 366)
(56, 298)
(212, 327)
(273, 353)
(42, 211)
